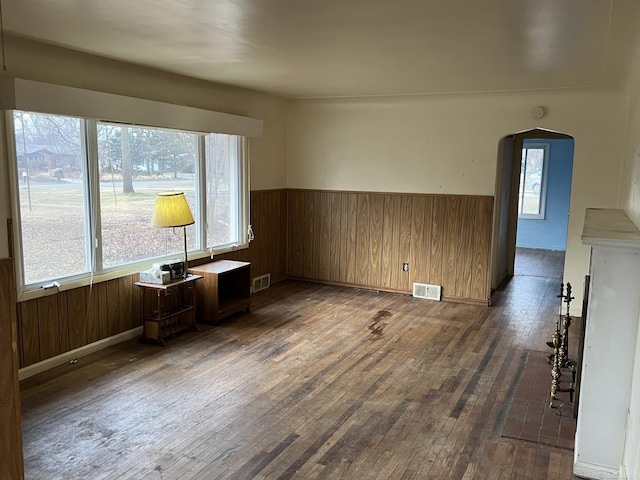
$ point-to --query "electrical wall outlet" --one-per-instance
(405, 267)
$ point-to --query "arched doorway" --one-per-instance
(533, 189)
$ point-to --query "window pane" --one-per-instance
(531, 180)
(223, 190)
(51, 189)
(134, 164)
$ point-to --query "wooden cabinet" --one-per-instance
(167, 309)
(225, 289)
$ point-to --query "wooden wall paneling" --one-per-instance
(49, 330)
(462, 245)
(450, 247)
(308, 238)
(395, 265)
(241, 255)
(77, 315)
(255, 218)
(20, 339)
(281, 238)
(259, 258)
(346, 226)
(260, 221)
(467, 234)
(125, 302)
(363, 240)
(11, 463)
(273, 251)
(63, 321)
(458, 287)
(404, 246)
(260, 231)
(136, 321)
(93, 314)
(418, 271)
(349, 236)
(266, 254)
(113, 307)
(426, 235)
(29, 332)
(376, 235)
(387, 250)
(437, 239)
(324, 234)
(261, 261)
(102, 299)
(336, 236)
(290, 222)
(482, 249)
(315, 233)
(295, 236)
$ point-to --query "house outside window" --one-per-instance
(86, 189)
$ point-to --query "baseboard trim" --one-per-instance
(623, 473)
(595, 472)
(31, 370)
(445, 298)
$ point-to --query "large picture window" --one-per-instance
(52, 190)
(134, 164)
(86, 192)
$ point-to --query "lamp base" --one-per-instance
(185, 265)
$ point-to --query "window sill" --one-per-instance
(88, 279)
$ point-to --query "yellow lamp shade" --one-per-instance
(171, 210)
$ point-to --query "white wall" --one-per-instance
(449, 144)
(631, 196)
(34, 61)
(631, 186)
(631, 457)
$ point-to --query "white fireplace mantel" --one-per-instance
(608, 428)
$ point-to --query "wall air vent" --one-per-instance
(425, 290)
(261, 282)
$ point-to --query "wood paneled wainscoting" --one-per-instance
(363, 239)
(57, 323)
(10, 424)
(61, 322)
(344, 238)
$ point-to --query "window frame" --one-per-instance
(91, 198)
(541, 215)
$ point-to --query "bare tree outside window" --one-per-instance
(137, 164)
(52, 210)
(86, 208)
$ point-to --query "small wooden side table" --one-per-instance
(171, 311)
(224, 290)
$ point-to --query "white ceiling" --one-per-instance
(333, 48)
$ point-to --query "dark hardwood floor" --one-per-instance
(539, 263)
(305, 387)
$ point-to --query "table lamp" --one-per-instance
(172, 210)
